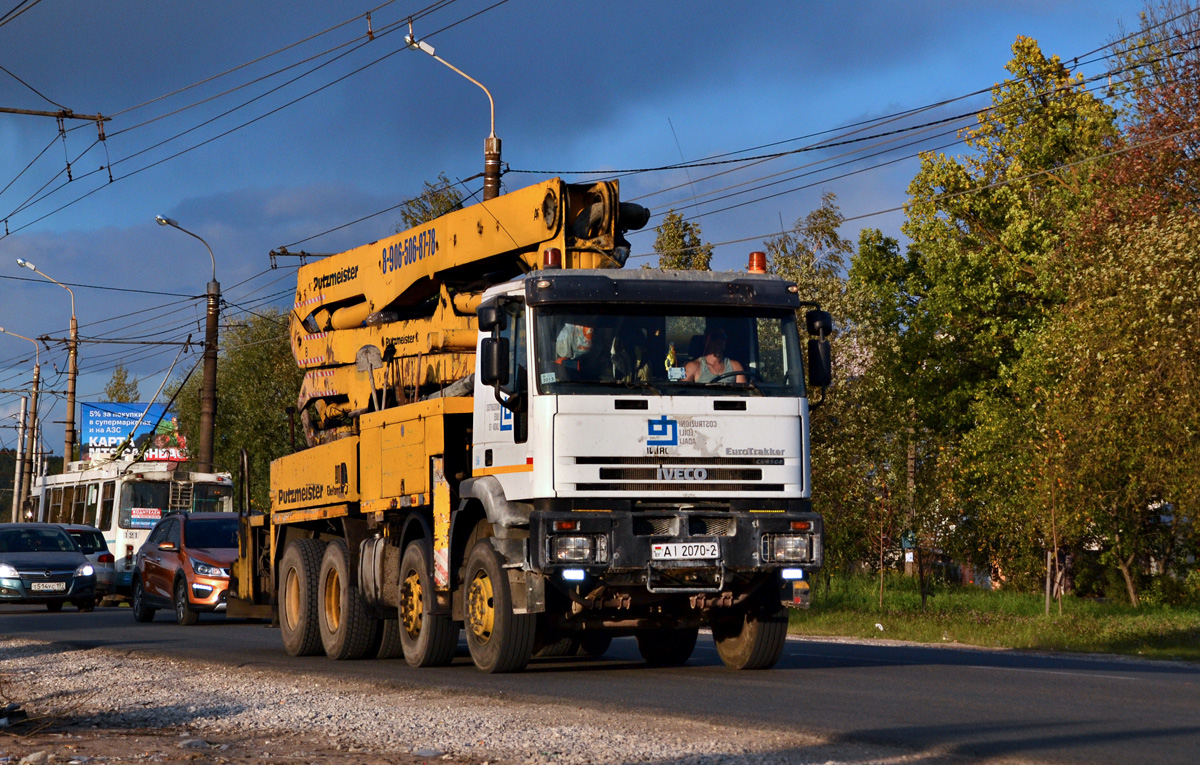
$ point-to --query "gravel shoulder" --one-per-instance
(99, 705)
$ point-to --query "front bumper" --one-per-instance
(22, 589)
(622, 544)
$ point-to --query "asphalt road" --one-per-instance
(951, 701)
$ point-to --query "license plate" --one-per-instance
(684, 550)
(48, 586)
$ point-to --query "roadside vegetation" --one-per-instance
(849, 607)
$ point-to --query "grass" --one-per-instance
(999, 619)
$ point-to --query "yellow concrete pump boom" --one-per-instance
(392, 321)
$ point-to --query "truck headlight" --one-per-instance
(579, 549)
(789, 547)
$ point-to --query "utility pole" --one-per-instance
(31, 427)
(19, 462)
(208, 385)
(491, 144)
(72, 367)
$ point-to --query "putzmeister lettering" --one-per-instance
(301, 494)
(347, 274)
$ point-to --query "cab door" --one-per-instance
(501, 436)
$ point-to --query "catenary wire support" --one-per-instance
(62, 133)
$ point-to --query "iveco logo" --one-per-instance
(682, 474)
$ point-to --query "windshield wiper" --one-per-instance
(627, 384)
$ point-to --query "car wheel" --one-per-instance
(141, 611)
(55, 606)
(184, 614)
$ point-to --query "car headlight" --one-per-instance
(8, 572)
(205, 569)
(85, 570)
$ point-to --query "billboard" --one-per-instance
(104, 427)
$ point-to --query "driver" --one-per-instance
(713, 363)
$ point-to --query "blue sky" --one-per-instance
(578, 86)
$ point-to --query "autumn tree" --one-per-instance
(680, 245)
(257, 380)
(434, 201)
(120, 388)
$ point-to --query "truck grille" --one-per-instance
(679, 486)
(656, 461)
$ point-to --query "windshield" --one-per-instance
(619, 349)
(212, 532)
(212, 497)
(144, 503)
(89, 541)
(35, 540)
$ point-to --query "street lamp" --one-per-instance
(72, 367)
(491, 145)
(208, 385)
(27, 458)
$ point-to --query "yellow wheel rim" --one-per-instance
(481, 611)
(291, 599)
(412, 604)
(333, 600)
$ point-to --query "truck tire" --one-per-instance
(428, 640)
(346, 625)
(499, 640)
(141, 611)
(298, 597)
(667, 647)
(594, 644)
(753, 638)
(386, 642)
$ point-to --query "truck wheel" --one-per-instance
(499, 640)
(141, 611)
(667, 647)
(594, 644)
(428, 640)
(298, 597)
(184, 615)
(386, 641)
(754, 638)
(346, 625)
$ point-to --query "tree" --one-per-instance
(120, 389)
(680, 246)
(434, 201)
(257, 380)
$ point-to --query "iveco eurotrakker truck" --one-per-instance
(511, 436)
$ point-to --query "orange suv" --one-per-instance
(184, 564)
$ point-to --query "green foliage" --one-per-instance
(120, 388)
(257, 380)
(434, 201)
(680, 245)
(1000, 618)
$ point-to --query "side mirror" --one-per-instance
(493, 364)
(820, 363)
(819, 323)
(491, 317)
(168, 546)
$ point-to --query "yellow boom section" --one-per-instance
(383, 324)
